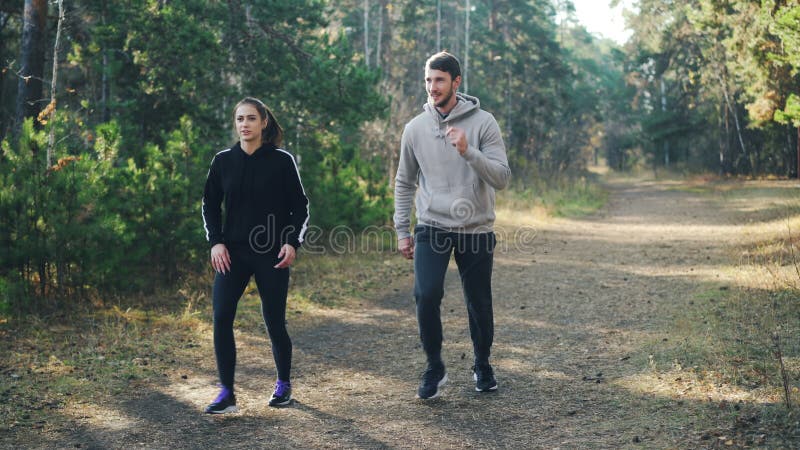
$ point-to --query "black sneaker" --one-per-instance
(282, 395)
(225, 403)
(484, 378)
(433, 378)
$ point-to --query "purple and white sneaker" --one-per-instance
(282, 395)
(225, 403)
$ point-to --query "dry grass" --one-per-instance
(729, 342)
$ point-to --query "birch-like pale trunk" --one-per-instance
(466, 52)
(51, 140)
(724, 84)
(366, 32)
(382, 7)
(664, 110)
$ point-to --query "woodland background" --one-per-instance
(110, 111)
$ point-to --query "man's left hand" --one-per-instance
(458, 139)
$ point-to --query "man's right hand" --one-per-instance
(406, 247)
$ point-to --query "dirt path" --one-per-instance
(574, 313)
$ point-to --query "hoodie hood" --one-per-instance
(467, 104)
(260, 152)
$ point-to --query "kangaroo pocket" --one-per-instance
(452, 207)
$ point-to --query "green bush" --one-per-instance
(344, 190)
(92, 222)
(105, 219)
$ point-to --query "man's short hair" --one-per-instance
(446, 63)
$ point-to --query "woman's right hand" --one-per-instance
(220, 259)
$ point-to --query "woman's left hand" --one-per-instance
(288, 254)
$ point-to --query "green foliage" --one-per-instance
(344, 191)
(147, 65)
(791, 114)
(713, 79)
(6, 296)
(157, 204)
(92, 221)
(568, 197)
(145, 91)
(546, 121)
(602, 99)
(575, 198)
(22, 202)
(786, 26)
(144, 102)
(99, 221)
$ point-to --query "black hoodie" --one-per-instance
(265, 203)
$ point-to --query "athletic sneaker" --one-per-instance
(484, 378)
(433, 378)
(225, 403)
(282, 395)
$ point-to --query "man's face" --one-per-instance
(441, 88)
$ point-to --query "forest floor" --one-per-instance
(606, 330)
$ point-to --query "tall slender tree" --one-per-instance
(32, 55)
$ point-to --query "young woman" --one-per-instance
(265, 220)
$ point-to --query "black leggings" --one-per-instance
(273, 285)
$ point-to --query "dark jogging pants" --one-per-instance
(474, 255)
(273, 286)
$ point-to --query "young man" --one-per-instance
(454, 152)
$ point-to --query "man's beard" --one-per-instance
(444, 101)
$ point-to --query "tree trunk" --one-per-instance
(51, 141)
(509, 85)
(466, 51)
(732, 110)
(722, 139)
(386, 29)
(366, 32)
(3, 21)
(438, 26)
(381, 8)
(105, 82)
(29, 88)
(492, 16)
(664, 110)
(728, 149)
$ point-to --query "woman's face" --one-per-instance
(249, 123)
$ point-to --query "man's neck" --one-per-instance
(445, 110)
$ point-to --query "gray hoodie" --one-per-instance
(456, 193)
